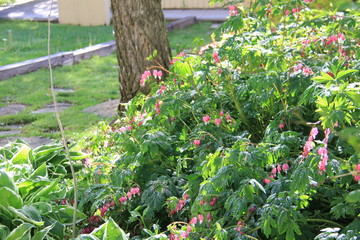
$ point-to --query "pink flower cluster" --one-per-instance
(144, 76)
(233, 11)
(357, 175)
(181, 203)
(308, 1)
(211, 203)
(106, 208)
(306, 71)
(147, 74)
(129, 195)
(217, 121)
(216, 58)
(136, 119)
(239, 226)
(177, 58)
(335, 38)
(157, 106)
(309, 143)
(323, 152)
(157, 74)
(276, 170)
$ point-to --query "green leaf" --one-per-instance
(355, 97)
(353, 196)
(86, 237)
(43, 192)
(22, 156)
(28, 185)
(41, 171)
(323, 78)
(4, 232)
(10, 198)
(345, 73)
(64, 214)
(42, 234)
(20, 232)
(42, 207)
(28, 214)
(109, 230)
(352, 136)
(6, 181)
(254, 183)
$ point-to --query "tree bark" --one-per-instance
(139, 30)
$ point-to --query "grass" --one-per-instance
(6, 2)
(94, 80)
(23, 40)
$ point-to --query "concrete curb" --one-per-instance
(57, 59)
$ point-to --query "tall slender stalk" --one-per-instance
(63, 137)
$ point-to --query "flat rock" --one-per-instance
(215, 26)
(10, 130)
(105, 109)
(32, 141)
(11, 109)
(50, 108)
(66, 90)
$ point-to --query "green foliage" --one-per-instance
(34, 190)
(255, 137)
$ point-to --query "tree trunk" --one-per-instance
(139, 30)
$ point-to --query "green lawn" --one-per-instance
(94, 80)
(23, 40)
(6, 2)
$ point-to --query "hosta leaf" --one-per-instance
(4, 232)
(21, 232)
(43, 192)
(10, 198)
(6, 181)
(42, 207)
(27, 216)
(64, 214)
(22, 156)
(41, 171)
(109, 230)
(86, 237)
(40, 235)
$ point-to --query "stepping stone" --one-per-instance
(32, 141)
(12, 109)
(50, 108)
(63, 90)
(105, 109)
(215, 25)
(10, 130)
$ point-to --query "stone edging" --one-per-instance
(57, 59)
(72, 57)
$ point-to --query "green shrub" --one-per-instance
(256, 137)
